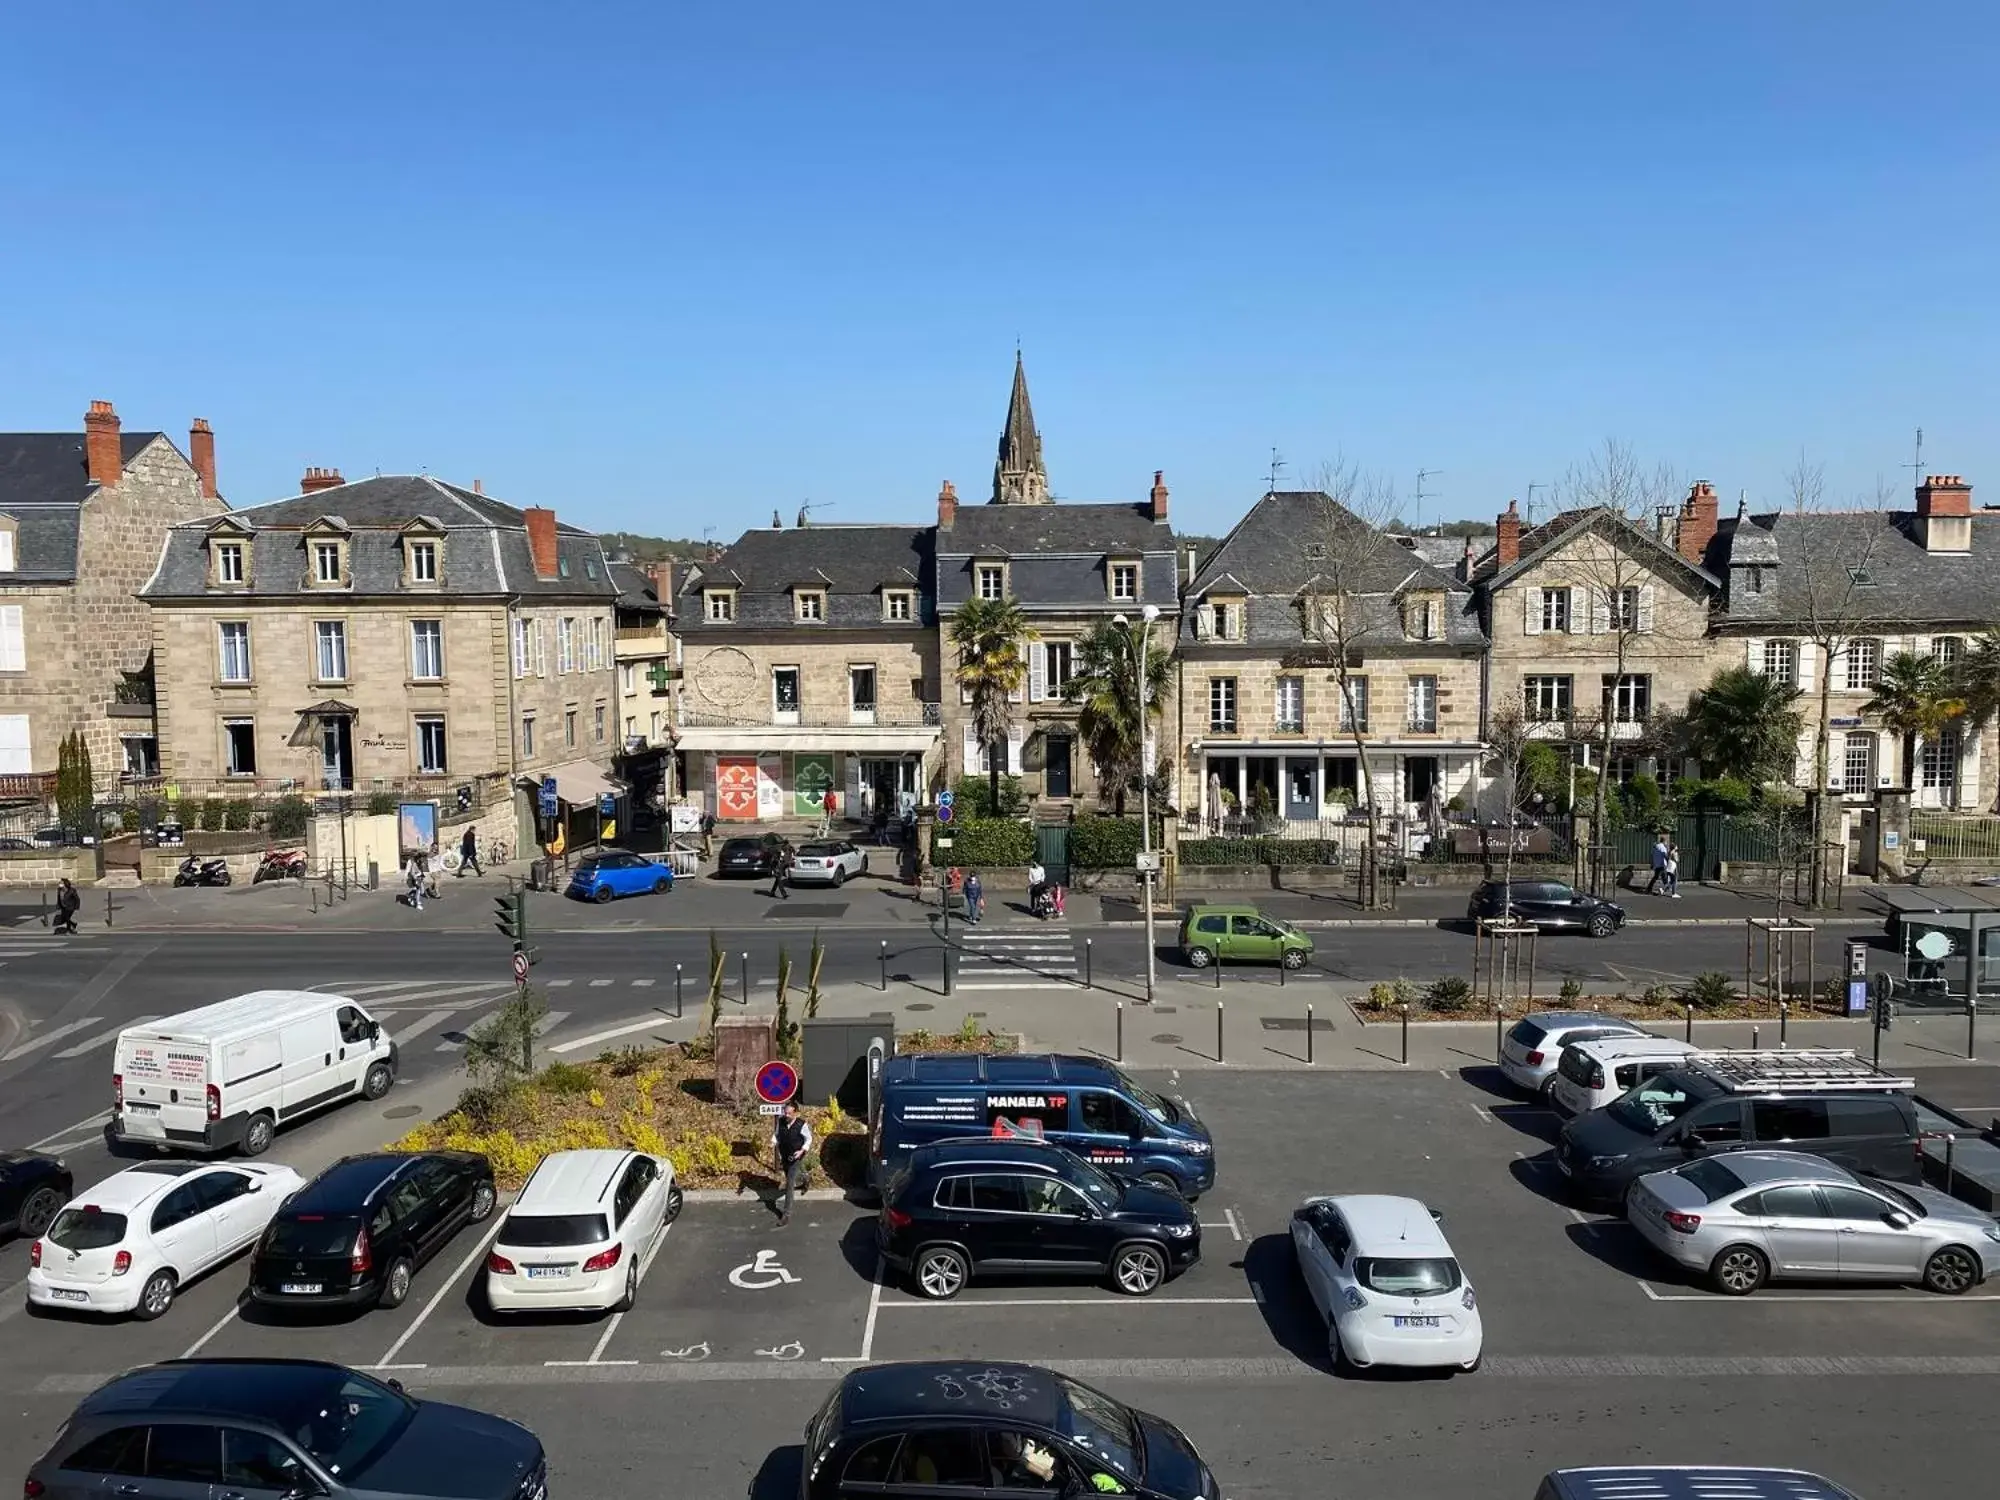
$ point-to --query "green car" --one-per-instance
(1241, 935)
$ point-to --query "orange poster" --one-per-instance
(736, 787)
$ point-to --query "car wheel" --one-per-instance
(662, 886)
(155, 1297)
(1546, 1093)
(1161, 1182)
(226, 877)
(396, 1285)
(1951, 1271)
(378, 1081)
(1738, 1271)
(482, 1203)
(940, 1273)
(1199, 958)
(839, 879)
(39, 1212)
(625, 1303)
(1336, 1353)
(1601, 925)
(257, 1135)
(1138, 1270)
(601, 895)
(1295, 958)
(675, 1201)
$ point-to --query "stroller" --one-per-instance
(1046, 900)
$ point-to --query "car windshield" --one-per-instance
(87, 1229)
(1100, 1427)
(539, 1231)
(311, 1234)
(1902, 1200)
(818, 851)
(1656, 1103)
(1104, 1190)
(1160, 1109)
(345, 1421)
(1714, 1179)
(1527, 1034)
(1408, 1278)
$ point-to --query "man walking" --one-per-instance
(793, 1139)
(1659, 865)
(468, 852)
(781, 872)
(975, 898)
(68, 901)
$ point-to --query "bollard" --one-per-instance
(944, 957)
(1499, 1036)
(1121, 1032)
(885, 965)
(1218, 1031)
(677, 992)
(1690, 1025)
(312, 897)
(1784, 1015)
(45, 908)
(1753, 1038)
(1950, 1142)
(1282, 966)
(746, 978)
(107, 908)
(1089, 983)
(1405, 1009)
(1971, 1024)
(1309, 1036)
(1218, 968)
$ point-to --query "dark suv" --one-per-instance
(33, 1189)
(985, 1206)
(355, 1235)
(274, 1427)
(1547, 904)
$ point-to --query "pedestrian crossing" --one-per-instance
(1017, 956)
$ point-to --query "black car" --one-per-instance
(33, 1189)
(984, 1427)
(1007, 1206)
(750, 856)
(1548, 904)
(272, 1427)
(355, 1235)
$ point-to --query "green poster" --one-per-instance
(812, 779)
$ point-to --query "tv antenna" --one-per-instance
(1417, 520)
(1532, 487)
(1917, 464)
(1277, 471)
(806, 508)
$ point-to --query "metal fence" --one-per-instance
(1708, 840)
(1954, 836)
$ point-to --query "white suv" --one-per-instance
(581, 1233)
(1592, 1074)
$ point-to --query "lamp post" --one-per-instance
(1149, 614)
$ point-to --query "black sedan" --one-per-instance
(1547, 904)
(33, 1189)
(750, 856)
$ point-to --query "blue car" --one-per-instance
(600, 877)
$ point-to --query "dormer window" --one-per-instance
(1124, 582)
(1423, 618)
(228, 562)
(991, 581)
(899, 605)
(721, 605)
(9, 557)
(423, 562)
(811, 606)
(1219, 620)
(326, 563)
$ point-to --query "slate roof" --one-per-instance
(1057, 553)
(485, 546)
(1801, 556)
(635, 588)
(1270, 557)
(1538, 541)
(1446, 552)
(44, 480)
(854, 564)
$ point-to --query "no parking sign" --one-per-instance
(777, 1082)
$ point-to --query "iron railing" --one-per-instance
(894, 716)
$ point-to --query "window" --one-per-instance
(1947, 648)
(1124, 581)
(1858, 763)
(721, 605)
(631, 726)
(940, 1456)
(1622, 605)
(628, 678)
(1423, 703)
(861, 689)
(427, 649)
(569, 728)
(811, 606)
(228, 560)
(330, 658)
(1795, 1202)
(1628, 699)
(251, 1460)
(522, 652)
(326, 562)
(1789, 1119)
(1290, 702)
(119, 1451)
(597, 722)
(1938, 761)
(423, 562)
(1781, 662)
(870, 1464)
(1222, 705)
(1555, 610)
(1354, 705)
(239, 746)
(1547, 699)
(785, 692)
(1879, 1117)
(430, 745)
(1852, 1204)
(1057, 667)
(593, 644)
(1421, 619)
(185, 1452)
(992, 581)
(527, 736)
(997, 1195)
(897, 605)
(565, 645)
(232, 639)
(1864, 665)
(1228, 621)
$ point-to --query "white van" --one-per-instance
(231, 1073)
(1593, 1073)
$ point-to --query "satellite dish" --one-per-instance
(1934, 945)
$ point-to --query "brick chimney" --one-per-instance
(320, 479)
(947, 504)
(1159, 495)
(1944, 513)
(1507, 538)
(1697, 522)
(661, 575)
(100, 444)
(542, 540)
(201, 453)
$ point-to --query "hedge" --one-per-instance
(1204, 853)
(984, 841)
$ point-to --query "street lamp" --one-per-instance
(1149, 614)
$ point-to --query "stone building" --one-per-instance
(810, 664)
(1262, 723)
(81, 518)
(394, 633)
(644, 647)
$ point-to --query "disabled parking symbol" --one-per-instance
(761, 1274)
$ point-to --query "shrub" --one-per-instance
(128, 820)
(968, 1031)
(1450, 994)
(987, 842)
(381, 803)
(1572, 990)
(1104, 843)
(682, 1161)
(567, 1078)
(501, 1049)
(623, 1062)
(236, 813)
(715, 1154)
(1209, 853)
(1710, 991)
(837, 1119)
(288, 818)
(213, 810)
(644, 1135)
(1660, 995)
(972, 797)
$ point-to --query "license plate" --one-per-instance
(1416, 1322)
(535, 1272)
(301, 1288)
(63, 1294)
(136, 1108)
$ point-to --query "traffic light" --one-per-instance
(1883, 1015)
(510, 915)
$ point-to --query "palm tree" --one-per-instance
(1917, 699)
(988, 635)
(1745, 724)
(1105, 683)
(1976, 679)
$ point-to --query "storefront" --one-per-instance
(775, 783)
(1318, 781)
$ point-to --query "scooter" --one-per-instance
(281, 864)
(207, 872)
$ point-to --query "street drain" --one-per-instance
(402, 1112)
(921, 1005)
(1167, 1038)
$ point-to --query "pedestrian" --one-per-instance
(781, 872)
(975, 898)
(792, 1140)
(1659, 865)
(1673, 870)
(413, 876)
(68, 900)
(468, 852)
(1038, 879)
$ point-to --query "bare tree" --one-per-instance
(1508, 735)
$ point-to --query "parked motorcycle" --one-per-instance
(281, 864)
(203, 872)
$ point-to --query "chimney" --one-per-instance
(947, 504)
(1159, 495)
(320, 479)
(1944, 513)
(1193, 560)
(776, 524)
(542, 540)
(100, 444)
(201, 453)
(1697, 522)
(661, 575)
(1507, 541)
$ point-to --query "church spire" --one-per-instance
(1019, 476)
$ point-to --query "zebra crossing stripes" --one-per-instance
(47, 1038)
(91, 1043)
(1041, 957)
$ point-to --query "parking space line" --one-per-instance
(867, 1329)
(220, 1323)
(557, 984)
(1235, 1228)
(611, 1326)
(1765, 1298)
(1104, 1301)
(478, 1253)
(102, 1117)
(642, 984)
(1482, 1111)
(36, 1043)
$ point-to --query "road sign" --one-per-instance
(607, 804)
(520, 968)
(941, 843)
(946, 798)
(548, 797)
(944, 812)
(777, 1081)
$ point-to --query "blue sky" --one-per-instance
(667, 271)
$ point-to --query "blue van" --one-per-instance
(1082, 1103)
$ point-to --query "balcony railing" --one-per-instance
(891, 716)
(1418, 724)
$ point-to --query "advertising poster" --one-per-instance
(417, 828)
(770, 787)
(736, 787)
(812, 779)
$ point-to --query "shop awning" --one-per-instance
(858, 739)
(310, 719)
(578, 782)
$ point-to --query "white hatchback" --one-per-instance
(1534, 1044)
(834, 861)
(1392, 1293)
(132, 1242)
(1593, 1073)
(581, 1232)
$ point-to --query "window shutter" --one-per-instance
(1531, 612)
(1577, 597)
(1038, 659)
(1600, 610)
(1204, 621)
(1753, 654)
(1645, 607)
(13, 641)
(1015, 735)
(1805, 671)
(541, 647)
(975, 753)
(1917, 645)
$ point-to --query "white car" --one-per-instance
(132, 1242)
(1534, 1045)
(834, 861)
(580, 1232)
(1391, 1291)
(1593, 1073)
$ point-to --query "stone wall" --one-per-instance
(553, 694)
(39, 867)
(731, 680)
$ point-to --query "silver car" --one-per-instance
(1749, 1217)
(1534, 1045)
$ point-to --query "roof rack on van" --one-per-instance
(1801, 1070)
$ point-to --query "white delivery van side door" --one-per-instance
(358, 1045)
(252, 1076)
(312, 1076)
